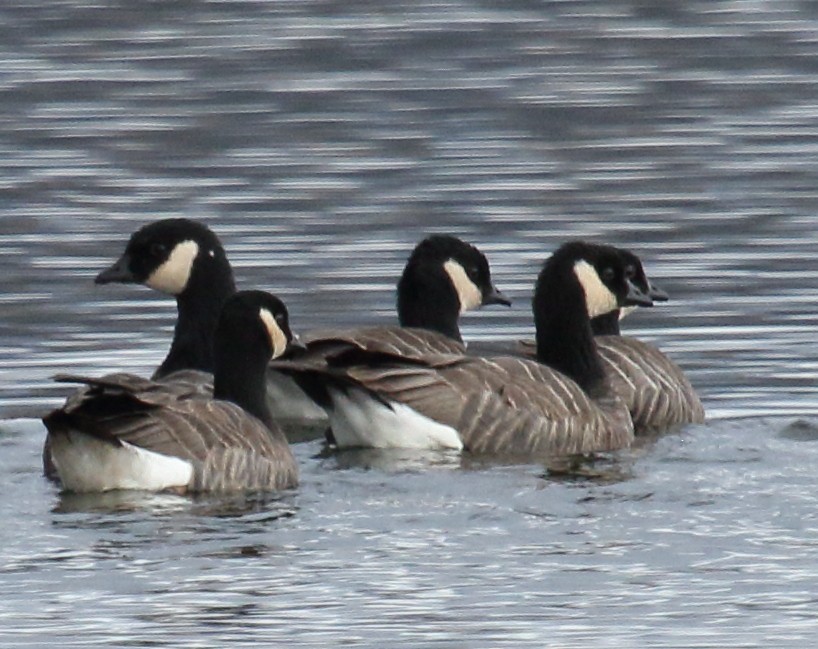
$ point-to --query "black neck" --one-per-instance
(564, 337)
(606, 325)
(198, 307)
(241, 375)
(427, 300)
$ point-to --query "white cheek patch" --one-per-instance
(626, 311)
(467, 292)
(278, 339)
(172, 276)
(599, 299)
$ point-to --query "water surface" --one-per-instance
(321, 141)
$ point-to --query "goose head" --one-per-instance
(609, 324)
(255, 320)
(579, 282)
(636, 273)
(185, 259)
(253, 328)
(594, 275)
(443, 278)
(173, 256)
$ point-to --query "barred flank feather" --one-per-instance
(404, 343)
(656, 391)
(499, 406)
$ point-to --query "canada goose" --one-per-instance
(443, 399)
(443, 277)
(126, 432)
(658, 394)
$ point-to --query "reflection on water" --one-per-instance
(321, 141)
(219, 507)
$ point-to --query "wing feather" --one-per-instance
(655, 389)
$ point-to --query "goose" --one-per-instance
(441, 398)
(443, 278)
(658, 394)
(185, 258)
(126, 432)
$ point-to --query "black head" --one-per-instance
(608, 324)
(444, 277)
(164, 255)
(599, 271)
(467, 268)
(636, 273)
(580, 281)
(253, 327)
(255, 320)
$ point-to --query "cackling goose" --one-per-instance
(658, 394)
(126, 432)
(439, 398)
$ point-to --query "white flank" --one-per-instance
(172, 276)
(467, 292)
(87, 464)
(599, 299)
(278, 340)
(358, 420)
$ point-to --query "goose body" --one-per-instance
(486, 406)
(655, 389)
(359, 417)
(126, 432)
(658, 394)
(498, 406)
(443, 278)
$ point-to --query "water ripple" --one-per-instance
(321, 142)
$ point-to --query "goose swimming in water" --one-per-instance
(440, 398)
(126, 432)
(658, 394)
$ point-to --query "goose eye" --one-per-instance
(630, 271)
(608, 274)
(473, 272)
(279, 318)
(157, 249)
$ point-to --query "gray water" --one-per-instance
(321, 140)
